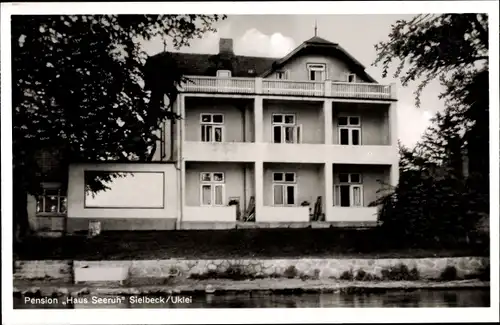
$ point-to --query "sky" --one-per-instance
(277, 35)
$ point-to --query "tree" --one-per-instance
(433, 199)
(454, 49)
(80, 90)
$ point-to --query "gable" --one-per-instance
(317, 50)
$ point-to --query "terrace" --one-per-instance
(328, 88)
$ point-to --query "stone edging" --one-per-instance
(427, 268)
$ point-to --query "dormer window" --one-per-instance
(316, 72)
(282, 74)
(223, 74)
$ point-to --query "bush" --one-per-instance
(361, 275)
(235, 272)
(291, 272)
(449, 274)
(400, 273)
(347, 276)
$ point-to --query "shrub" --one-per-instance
(400, 273)
(449, 274)
(291, 272)
(235, 272)
(483, 274)
(347, 275)
(204, 276)
(360, 275)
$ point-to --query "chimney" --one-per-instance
(226, 46)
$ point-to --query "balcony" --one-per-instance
(328, 88)
(351, 214)
(290, 153)
(209, 214)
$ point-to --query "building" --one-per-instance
(304, 140)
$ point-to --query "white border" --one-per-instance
(278, 315)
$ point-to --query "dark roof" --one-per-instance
(249, 66)
(318, 40)
(208, 64)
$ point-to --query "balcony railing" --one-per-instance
(297, 88)
(327, 88)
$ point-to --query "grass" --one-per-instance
(233, 244)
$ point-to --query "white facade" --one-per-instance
(275, 142)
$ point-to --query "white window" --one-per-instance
(212, 191)
(349, 130)
(350, 77)
(223, 73)
(349, 190)
(316, 72)
(52, 201)
(284, 189)
(285, 129)
(212, 127)
(282, 74)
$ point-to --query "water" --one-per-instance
(418, 298)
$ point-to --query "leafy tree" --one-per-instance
(433, 199)
(81, 92)
(454, 49)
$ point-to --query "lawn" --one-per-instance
(235, 243)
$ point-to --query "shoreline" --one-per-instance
(35, 288)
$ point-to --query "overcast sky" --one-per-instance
(277, 35)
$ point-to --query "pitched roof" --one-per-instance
(208, 64)
(250, 66)
(318, 44)
(319, 40)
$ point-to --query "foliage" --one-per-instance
(451, 47)
(435, 200)
(291, 272)
(80, 89)
(400, 272)
(347, 276)
(449, 274)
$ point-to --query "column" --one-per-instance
(259, 188)
(328, 171)
(393, 131)
(182, 113)
(394, 175)
(181, 165)
(258, 119)
(393, 124)
(327, 117)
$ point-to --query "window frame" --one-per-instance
(350, 129)
(316, 67)
(42, 198)
(283, 126)
(285, 185)
(214, 125)
(350, 74)
(212, 184)
(229, 73)
(285, 74)
(352, 185)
